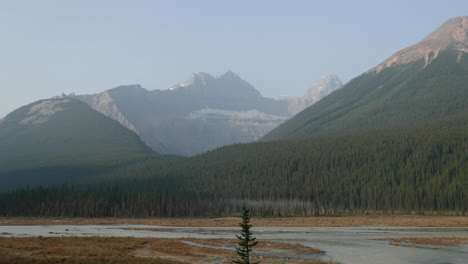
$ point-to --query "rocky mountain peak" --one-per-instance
(327, 84)
(200, 78)
(227, 84)
(452, 34)
(323, 87)
(454, 30)
(229, 75)
(130, 87)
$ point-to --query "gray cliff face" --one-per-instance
(104, 103)
(201, 114)
(453, 34)
(326, 85)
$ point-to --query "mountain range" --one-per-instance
(394, 139)
(201, 114)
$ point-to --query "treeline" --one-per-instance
(69, 201)
(404, 170)
(73, 201)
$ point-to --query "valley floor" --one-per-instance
(141, 250)
(314, 240)
(394, 220)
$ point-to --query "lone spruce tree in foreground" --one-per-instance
(246, 241)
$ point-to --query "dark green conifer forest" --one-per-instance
(382, 171)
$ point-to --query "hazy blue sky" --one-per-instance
(281, 47)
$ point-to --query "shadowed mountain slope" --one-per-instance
(62, 137)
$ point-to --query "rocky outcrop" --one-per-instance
(43, 111)
(452, 34)
(327, 84)
(104, 104)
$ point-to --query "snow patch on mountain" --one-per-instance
(219, 114)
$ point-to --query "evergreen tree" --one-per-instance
(246, 241)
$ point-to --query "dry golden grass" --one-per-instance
(261, 246)
(436, 241)
(175, 249)
(397, 220)
(87, 250)
(70, 250)
(297, 248)
(213, 242)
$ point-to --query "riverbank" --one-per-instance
(345, 221)
(349, 245)
(87, 250)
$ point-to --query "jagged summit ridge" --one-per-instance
(323, 87)
(129, 87)
(452, 34)
(230, 75)
(228, 85)
(203, 78)
(200, 78)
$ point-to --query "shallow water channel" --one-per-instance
(349, 245)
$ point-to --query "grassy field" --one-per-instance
(403, 220)
(87, 250)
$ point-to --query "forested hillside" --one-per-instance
(400, 170)
(408, 94)
(62, 140)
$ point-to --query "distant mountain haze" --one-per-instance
(56, 139)
(65, 139)
(322, 88)
(426, 82)
(202, 113)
